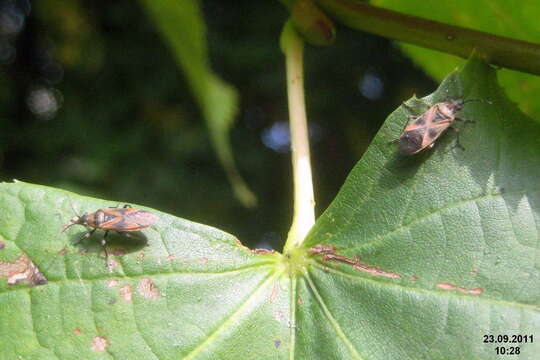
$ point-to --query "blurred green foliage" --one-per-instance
(93, 101)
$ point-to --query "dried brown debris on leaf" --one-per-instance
(148, 289)
(21, 269)
(328, 253)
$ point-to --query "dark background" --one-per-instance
(91, 100)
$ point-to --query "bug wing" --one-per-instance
(140, 218)
(128, 220)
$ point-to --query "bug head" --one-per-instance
(76, 220)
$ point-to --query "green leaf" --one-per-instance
(188, 291)
(498, 17)
(447, 243)
(446, 217)
(182, 27)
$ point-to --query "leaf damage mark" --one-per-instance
(274, 294)
(414, 277)
(277, 343)
(77, 331)
(112, 283)
(148, 289)
(21, 269)
(125, 292)
(262, 251)
(451, 287)
(99, 343)
(328, 253)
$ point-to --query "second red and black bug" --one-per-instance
(422, 131)
(126, 219)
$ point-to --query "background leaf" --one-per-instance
(182, 26)
(497, 17)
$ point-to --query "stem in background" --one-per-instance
(506, 52)
(304, 214)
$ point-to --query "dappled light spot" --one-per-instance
(99, 343)
(148, 289)
(21, 269)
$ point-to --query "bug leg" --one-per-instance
(103, 244)
(126, 206)
(464, 121)
(86, 236)
(457, 144)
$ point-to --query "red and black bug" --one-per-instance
(126, 219)
(421, 133)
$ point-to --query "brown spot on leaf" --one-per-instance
(414, 277)
(299, 301)
(112, 283)
(62, 251)
(263, 251)
(329, 255)
(452, 287)
(21, 269)
(446, 286)
(476, 291)
(99, 343)
(125, 292)
(170, 257)
(274, 294)
(140, 255)
(148, 289)
(2, 245)
(375, 271)
(322, 249)
(77, 331)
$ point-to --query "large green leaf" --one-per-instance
(441, 220)
(182, 27)
(190, 291)
(498, 17)
(448, 246)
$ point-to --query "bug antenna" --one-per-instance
(480, 100)
(71, 223)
